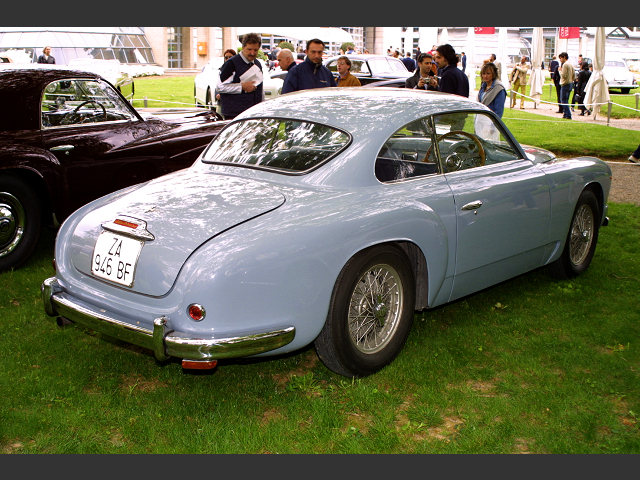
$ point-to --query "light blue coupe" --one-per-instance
(325, 216)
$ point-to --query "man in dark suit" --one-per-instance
(46, 56)
(555, 76)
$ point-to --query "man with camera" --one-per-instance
(426, 70)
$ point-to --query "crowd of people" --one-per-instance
(241, 86)
(436, 70)
(241, 75)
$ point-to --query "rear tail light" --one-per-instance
(196, 312)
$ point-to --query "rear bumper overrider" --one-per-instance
(163, 341)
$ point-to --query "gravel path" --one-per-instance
(625, 185)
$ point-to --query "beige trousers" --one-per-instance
(514, 89)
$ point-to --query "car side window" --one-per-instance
(358, 66)
(81, 101)
(406, 154)
(471, 139)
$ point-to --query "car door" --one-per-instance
(100, 143)
(502, 201)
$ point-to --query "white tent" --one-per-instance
(444, 36)
(597, 90)
(471, 65)
(502, 55)
(536, 79)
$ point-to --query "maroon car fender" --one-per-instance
(39, 168)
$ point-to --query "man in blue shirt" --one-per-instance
(311, 73)
(409, 62)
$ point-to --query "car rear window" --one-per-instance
(290, 146)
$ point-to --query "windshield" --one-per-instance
(78, 101)
(614, 63)
(291, 146)
(386, 65)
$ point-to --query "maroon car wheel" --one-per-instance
(20, 222)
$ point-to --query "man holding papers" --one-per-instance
(241, 79)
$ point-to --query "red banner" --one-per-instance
(569, 32)
(484, 30)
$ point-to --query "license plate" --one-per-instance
(115, 258)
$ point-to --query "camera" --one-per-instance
(428, 77)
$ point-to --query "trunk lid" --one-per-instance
(180, 211)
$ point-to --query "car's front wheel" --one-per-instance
(582, 238)
(20, 221)
(370, 315)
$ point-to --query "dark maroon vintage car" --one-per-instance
(68, 137)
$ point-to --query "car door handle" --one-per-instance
(472, 205)
(62, 148)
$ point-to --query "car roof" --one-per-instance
(362, 110)
(21, 89)
(360, 56)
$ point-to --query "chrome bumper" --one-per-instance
(164, 342)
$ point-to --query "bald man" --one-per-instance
(285, 59)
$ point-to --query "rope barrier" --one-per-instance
(569, 104)
(609, 103)
(146, 100)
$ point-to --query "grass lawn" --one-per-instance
(532, 365)
(164, 92)
(529, 366)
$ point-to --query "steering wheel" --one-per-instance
(74, 112)
(463, 154)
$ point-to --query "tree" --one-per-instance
(346, 46)
(285, 44)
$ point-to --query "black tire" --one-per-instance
(385, 272)
(582, 238)
(20, 222)
(625, 90)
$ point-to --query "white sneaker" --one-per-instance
(634, 159)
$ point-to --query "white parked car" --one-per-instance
(206, 81)
(619, 76)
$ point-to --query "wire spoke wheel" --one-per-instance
(581, 240)
(375, 308)
(371, 312)
(581, 236)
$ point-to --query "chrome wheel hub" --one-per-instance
(11, 223)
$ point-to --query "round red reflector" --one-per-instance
(196, 311)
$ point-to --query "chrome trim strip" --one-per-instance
(162, 341)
